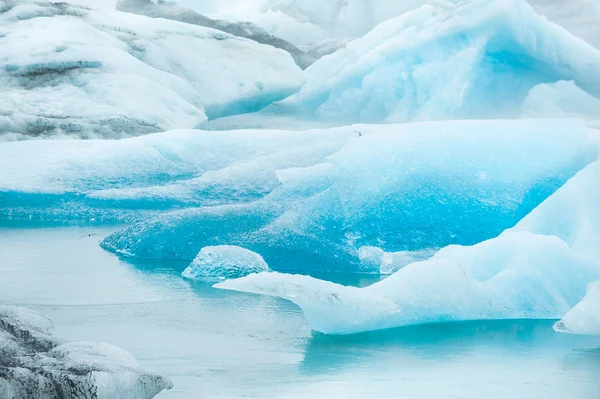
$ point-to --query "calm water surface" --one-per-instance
(219, 344)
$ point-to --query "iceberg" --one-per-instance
(34, 365)
(477, 60)
(405, 187)
(537, 270)
(113, 74)
(224, 262)
(242, 29)
(584, 318)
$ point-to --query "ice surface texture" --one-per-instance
(224, 261)
(584, 318)
(539, 269)
(241, 29)
(399, 187)
(33, 365)
(478, 60)
(66, 69)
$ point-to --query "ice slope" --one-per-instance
(224, 261)
(34, 365)
(537, 270)
(584, 318)
(67, 69)
(400, 187)
(478, 60)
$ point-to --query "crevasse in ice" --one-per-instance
(112, 74)
(34, 365)
(399, 187)
(539, 269)
(478, 60)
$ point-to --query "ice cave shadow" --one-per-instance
(449, 342)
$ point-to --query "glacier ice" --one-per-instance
(399, 187)
(539, 269)
(477, 60)
(111, 74)
(248, 30)
(584, 318)
(223, 262)
(34, 365)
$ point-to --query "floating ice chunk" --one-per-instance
(514, 276)
(113, 74)
(478, 60)
(584, 318)
(398, 187)
(223, 262)
(35, 366)
(370, 258)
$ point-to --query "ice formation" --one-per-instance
(478, 60)
(242, 29)
(34, 365)
(539, 269)
(224, 261)
(67, 69)
(584, 318)
(400, 187)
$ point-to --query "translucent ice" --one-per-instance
(112, 74)
(402, 188)
(538, 270)
(478, 60)
(224, 261)
(34, 366)
(584, 318)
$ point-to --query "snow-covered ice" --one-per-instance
(34, 365)
(67, 69)
(584, 318)
(223, 262)
(539, 269)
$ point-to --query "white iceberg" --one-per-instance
(584, 318)
(68, 69)
(33, 365)
(224, 262)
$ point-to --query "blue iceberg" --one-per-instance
(477, 60)
(399, 187)
(537, 270)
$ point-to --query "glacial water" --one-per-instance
(221, 344)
